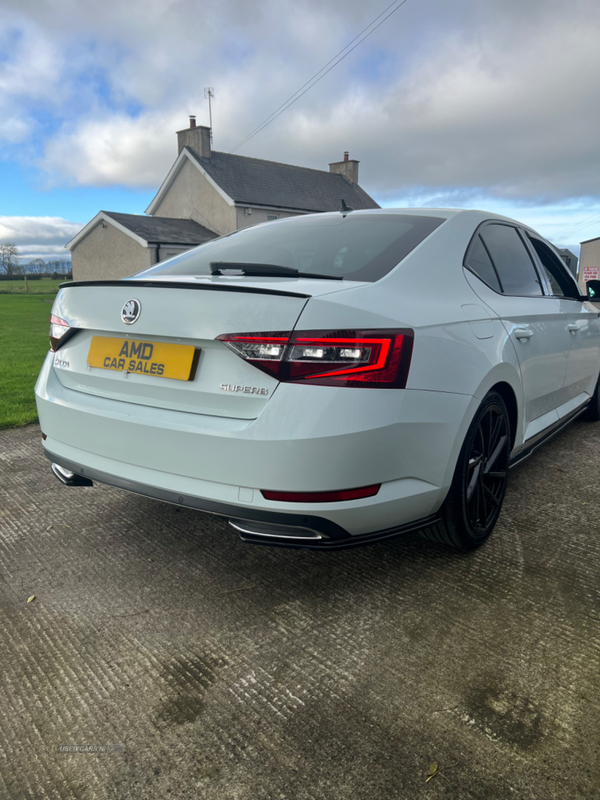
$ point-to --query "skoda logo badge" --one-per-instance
(131, 311)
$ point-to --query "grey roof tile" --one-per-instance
(252, 181)
(164, 230)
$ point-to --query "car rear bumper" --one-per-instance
(307, 439)
(254, 525)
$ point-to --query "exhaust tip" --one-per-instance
(251, 530)
(69, 478)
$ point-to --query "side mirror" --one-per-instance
(593, 290)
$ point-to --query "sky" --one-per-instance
(491, 104)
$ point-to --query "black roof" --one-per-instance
(252, 181)
(163, 230)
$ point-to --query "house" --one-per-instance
(207, 194)
(115, 245)
(570, 260)
(589, 261)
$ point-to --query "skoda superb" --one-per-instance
(327, 379)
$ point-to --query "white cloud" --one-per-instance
(520, 127)
(48, 253)
(476, 96)
(118, 150)
(29, 74)
(39, 237)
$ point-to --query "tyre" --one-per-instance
(475, 498)
(592, 412)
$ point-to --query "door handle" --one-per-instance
(573, 328)
(522, 334)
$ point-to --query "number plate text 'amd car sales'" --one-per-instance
(146, 358)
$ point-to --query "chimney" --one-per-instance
(348, 168)
(197, 137)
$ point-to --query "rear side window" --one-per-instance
(479, 262)
(355, 247)
(562, 285)
(512, 261)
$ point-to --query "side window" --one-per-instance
(562, 285)
(479, 262)
(512, 261)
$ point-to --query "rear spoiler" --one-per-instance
(205, 287)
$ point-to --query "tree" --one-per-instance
(35, 267)
(9, 258)
(62, 266)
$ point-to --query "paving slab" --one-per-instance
(184, 663)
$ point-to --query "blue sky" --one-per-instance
(25, 194)
(473, 103)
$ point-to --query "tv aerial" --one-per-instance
(209, 94)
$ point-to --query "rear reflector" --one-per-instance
(369, 358)
(322, 497)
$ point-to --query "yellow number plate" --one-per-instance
(144, 358)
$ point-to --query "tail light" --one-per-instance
(371, 358)
(58, 329)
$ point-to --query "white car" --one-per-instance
(327, 379)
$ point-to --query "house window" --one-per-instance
(272, 217)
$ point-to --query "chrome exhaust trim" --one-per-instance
(69, 478)
(250, 528)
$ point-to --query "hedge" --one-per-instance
(55, 276)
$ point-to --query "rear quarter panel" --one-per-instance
(460, 344)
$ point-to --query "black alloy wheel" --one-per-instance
(486, 470)
(475, 498)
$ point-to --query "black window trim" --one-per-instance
(542, 279)
(529, 236)
(466, 266)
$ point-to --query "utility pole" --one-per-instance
(209, 93)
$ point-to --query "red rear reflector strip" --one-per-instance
(321, 497)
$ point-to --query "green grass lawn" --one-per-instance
(24, 325)
(43, 286)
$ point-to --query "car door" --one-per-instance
(581, 321)
(532, 319)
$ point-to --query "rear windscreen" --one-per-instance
(354, 247)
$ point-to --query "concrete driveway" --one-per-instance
(224, 670)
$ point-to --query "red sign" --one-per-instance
(590, 274)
